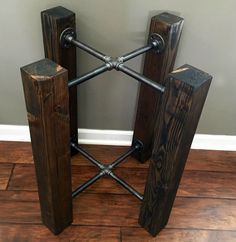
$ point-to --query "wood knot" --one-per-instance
(159, 165)
(31, 117)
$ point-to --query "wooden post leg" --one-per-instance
(47, 103)
(54, 21)
(182, 103)
(156, 67)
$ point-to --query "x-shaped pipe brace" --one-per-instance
(106, 170)
(156, 43)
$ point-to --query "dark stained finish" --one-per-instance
(182, 103)
(47, 103)
(156, 68)
(54, 21)
(201, 212)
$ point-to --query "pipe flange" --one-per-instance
(138, 145)
(157, 42)
(66, 36)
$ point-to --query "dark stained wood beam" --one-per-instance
(181, 107)
(156, 68)
(54, 21)
(47, 103)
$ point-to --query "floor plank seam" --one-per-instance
(130, 167)
(210, 171)
(123, 227)
(205, 197)
(120, 235)
(20, 223)
(121, 194)
(10, 177)
(204, 209)
(197, 229)
(182, 228)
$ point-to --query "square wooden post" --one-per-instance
(182, 102)
(54, 21)
(156, 67)
(47, 102)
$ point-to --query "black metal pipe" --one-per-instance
(88, 49)
(135, 53)
(140, 77)
(122, 157)
(88, 75)
(86, 184)
(126, 186)
(88, 156)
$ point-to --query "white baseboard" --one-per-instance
(105, 137)
(14, 133)
(120, 137)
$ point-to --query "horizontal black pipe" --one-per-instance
(88, 156)
(126, 186)
(140, 77)
(87, 184)
(88, 75)
(135, 53)
(88, 49)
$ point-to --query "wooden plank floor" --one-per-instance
(204, 210)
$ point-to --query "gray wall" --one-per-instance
(116, 27)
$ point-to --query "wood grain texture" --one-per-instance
(208, 160)
(156, 67)
(15, 152)
(19, 196)
(182, 103)
(197, 213)
(178, 235)
(23, 179)
(20, 212)
(208, 184)
(5, 172)
(190, 213)
(32, 233)
(54, 21)
(196, 217)
(47, 103)
(107, 154)
(134, 176)
(106, 209)
(122, 210)
(193, 183)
